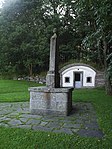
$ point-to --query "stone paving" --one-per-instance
(82, 121)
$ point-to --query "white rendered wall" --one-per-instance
(86, 71)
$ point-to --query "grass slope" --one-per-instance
(27, 139)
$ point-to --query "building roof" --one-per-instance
(76, 64)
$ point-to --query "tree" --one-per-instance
(84, 29)
(23, 31)
(98, 34)
(109, 73)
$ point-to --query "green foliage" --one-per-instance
(84, 29)
(26, 27)
(23, 37)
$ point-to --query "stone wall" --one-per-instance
(37, 79)
(100, 79)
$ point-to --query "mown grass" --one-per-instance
(27, 139)
(102, 104)
(13, 90)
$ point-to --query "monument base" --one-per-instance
(54, 101)
(52, 79)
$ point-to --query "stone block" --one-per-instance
(54, 101)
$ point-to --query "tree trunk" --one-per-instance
(30, 69)
(108, 86)
(99, 55)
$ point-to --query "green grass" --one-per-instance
(12, 90)
(102, 104)
(11, 138)
(27, 139)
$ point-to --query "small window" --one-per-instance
(89, 80)
(67, 80)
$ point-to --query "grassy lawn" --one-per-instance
(11, 138)
(103, 106)
(12, 90)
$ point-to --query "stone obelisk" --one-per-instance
(52, 78)
(51, 99)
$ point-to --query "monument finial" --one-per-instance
(55, 30)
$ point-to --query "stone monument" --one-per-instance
(52, 78)
(51, 99)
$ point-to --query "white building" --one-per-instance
(80, 76)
